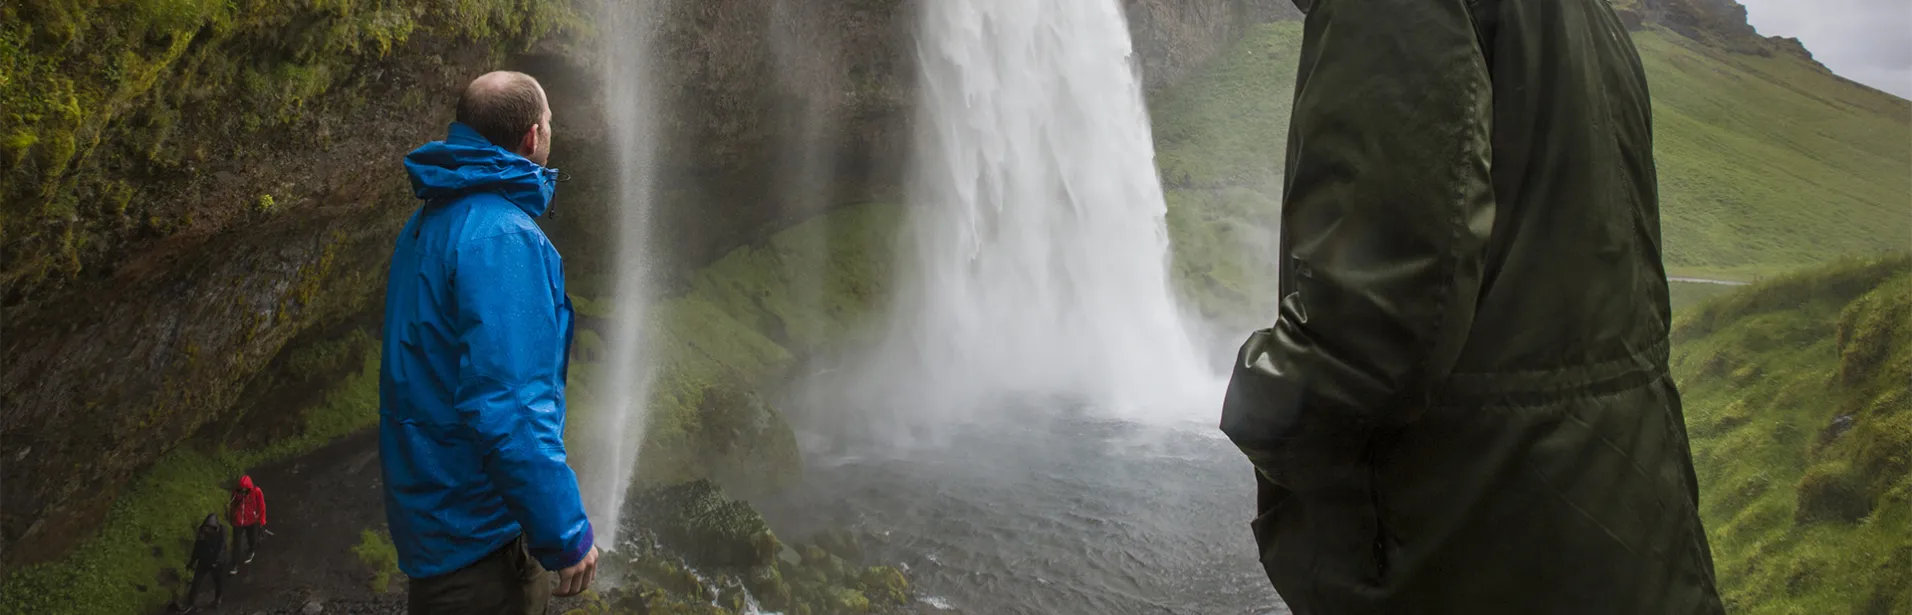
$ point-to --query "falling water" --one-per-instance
(630, 107)
(1042, 243)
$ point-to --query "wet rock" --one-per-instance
(696, 520)
(841, 544)
(312, 608)
(885, 585)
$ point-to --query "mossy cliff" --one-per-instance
(189, 186)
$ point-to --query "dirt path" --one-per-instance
(317, 505)
(1706, 281)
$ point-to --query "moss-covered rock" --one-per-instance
(697, 521)
(885, 586)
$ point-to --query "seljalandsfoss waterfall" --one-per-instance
(1041, 251)
(1036, 433)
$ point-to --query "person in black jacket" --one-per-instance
(208, 551)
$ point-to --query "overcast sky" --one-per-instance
(1868, 41)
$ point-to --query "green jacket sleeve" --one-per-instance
(1385, 219)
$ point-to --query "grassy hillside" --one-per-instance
(1801, 425)
(1766, 163)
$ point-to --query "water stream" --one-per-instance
(631, 107)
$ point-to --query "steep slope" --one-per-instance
(1801, 423)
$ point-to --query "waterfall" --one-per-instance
(631, 111)
(1039, 226)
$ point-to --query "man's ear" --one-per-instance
(528, 143)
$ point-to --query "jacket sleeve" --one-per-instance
(261, 495)
(511, 388)
(1387, 211)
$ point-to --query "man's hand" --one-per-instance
(574, 580)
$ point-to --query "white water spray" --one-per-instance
(1042, 245)
(630, 105)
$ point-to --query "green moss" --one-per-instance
(264, 204)
(708, 529)
(740, 324)
(1803, 470)
(76, 74)
(377, 552)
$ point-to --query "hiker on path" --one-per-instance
(208, 548)
(248, 509)
(1463, 405)
(477, 331)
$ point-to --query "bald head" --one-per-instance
(510, 110)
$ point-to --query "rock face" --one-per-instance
(1720, 23)
(187, 194)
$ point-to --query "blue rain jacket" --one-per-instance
(471, 386)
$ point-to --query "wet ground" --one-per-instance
(317, 505)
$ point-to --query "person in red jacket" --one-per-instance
(248, 520)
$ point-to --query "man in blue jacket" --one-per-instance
(471, 388)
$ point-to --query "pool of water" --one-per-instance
(1050, 512)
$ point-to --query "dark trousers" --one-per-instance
(245, 539)
(204, 574)
(506, 582)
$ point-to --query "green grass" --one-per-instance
(1802, 520)
(740, 324)
(1767, 164)
(149, 527)
(1689, 294)
(376, 551)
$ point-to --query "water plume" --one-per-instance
(631, 107)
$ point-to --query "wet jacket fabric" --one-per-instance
(210, 547)
(471, 386)
(1463, 405)
(248, 504)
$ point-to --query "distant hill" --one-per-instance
(1768, 162)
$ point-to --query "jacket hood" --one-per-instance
(465, 163)
(245, 482)
(212, 521)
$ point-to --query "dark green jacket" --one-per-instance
(1464, 405)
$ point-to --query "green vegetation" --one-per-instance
(733, 547)
(376, 550)
(1801, 425)
(738, 326)
(1220, 140)
(92, 93)
(1770, 163)
(149, 528)
(1688, 294)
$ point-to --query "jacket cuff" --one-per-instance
(576, 554)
